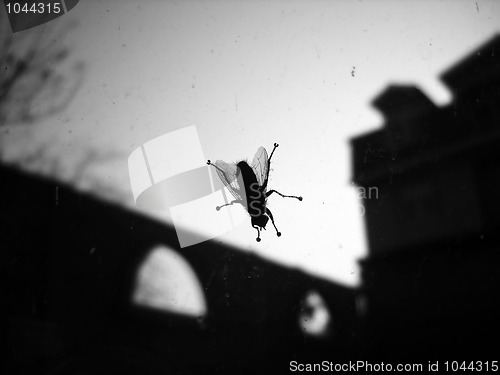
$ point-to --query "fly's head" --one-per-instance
(260, 221)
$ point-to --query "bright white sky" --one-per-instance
(248, 74)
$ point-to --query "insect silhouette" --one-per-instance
(248, 184)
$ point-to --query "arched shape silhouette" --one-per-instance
(165, 281)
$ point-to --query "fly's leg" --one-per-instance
(272, 152)
(229, 204)
(268, 212)
(283, 195)
(258, 233)
(224, 173)
(264, 185)
(239, 180)
(216, 167)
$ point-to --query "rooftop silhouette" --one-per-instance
(433, 262)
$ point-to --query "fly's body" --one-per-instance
(248, 184)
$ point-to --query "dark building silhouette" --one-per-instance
(432, 279)
(68, 268)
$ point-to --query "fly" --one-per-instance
(248, 184)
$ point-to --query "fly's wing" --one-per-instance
(260, 165)
(230, 175)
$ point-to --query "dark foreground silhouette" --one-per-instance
(69, 265)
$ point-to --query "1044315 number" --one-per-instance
(471, 366)
(37, 8)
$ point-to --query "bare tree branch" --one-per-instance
(35, 80)
(38, 80)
